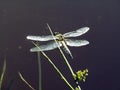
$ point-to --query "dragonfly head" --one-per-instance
(56, 33)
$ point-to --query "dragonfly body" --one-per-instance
(62, 41)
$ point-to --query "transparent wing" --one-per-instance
(76, 43)
(40, 38)
(77, 32)
(49, 46)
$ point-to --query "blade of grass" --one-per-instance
(25, 81)
(3, 73)
(55, 67)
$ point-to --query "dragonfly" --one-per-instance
(62, 40)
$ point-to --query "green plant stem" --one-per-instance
(55, 67)
(39, 71)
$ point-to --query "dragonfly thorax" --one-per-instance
(59, 37)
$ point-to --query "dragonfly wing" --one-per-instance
(40, 38)
(77, 32)
(50, 46)
(76, 43)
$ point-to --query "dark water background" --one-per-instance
(19, 18)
